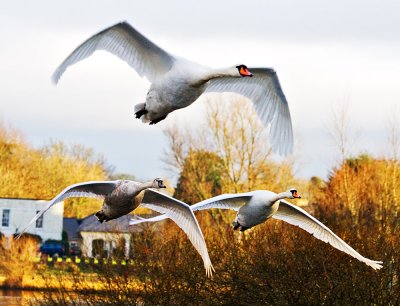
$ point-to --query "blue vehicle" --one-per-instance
(52, 248)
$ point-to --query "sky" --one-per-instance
(327, 54)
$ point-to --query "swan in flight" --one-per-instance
(256, 207)
(176, 82)
(122, 196)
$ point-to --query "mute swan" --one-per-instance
(123, 196)
(256, 207)
(177, 82)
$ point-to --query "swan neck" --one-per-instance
(281, 196)
(218, 73)
(145, 185)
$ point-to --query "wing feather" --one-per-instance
(224, 201)
(269, 101)
(94, 189)
(129, 45)
(183, 216)
(299, 217)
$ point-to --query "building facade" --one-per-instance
(103, 239)
(17, 213)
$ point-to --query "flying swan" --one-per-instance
(123, 196)
(176, 82)
(258, 206)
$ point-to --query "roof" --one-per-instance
(120, 225)
(23, 199)
(71, 226)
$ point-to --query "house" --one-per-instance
(71, 229)
(103, 239)
(87, 235)
(17, 213)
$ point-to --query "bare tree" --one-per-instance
(342, 132)
(391, 183)
(234, 133)
(240, 139)
(393, 129)
(344, 138)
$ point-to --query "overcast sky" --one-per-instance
(325, 53)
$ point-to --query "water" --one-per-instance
(10, 297)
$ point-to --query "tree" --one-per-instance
(42, 173)
(234, 134)
(201, 177)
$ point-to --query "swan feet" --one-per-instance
(140, 113)
(236, 225)
(157, 120)
(101, 217)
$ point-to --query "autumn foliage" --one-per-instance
(272, 264)
(41, 173)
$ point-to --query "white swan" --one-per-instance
(177, 83)
(123, 196)
(257, 206)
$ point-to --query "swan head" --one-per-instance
(243, 71)
(158, 183)
(293, 194)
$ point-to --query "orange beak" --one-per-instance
(296, 195)
(245, 72)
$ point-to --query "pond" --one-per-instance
(10, 297)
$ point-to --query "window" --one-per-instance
(39, 221)
(5, 220)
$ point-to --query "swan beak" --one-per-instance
(245, 72)
(296, 195)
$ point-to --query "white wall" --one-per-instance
(21, 213)
(110, 241)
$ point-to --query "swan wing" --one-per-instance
(223, 201)
(183, 216)
(269, 101)
(124, 41)
(94, 189)
(137, 219)
(299, 217)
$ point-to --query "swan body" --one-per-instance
(258, 206)
(122, 196)
(176, 82)
(256, 211)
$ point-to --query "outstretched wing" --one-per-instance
(269, 101)
(124, 41)
(183, 216)
(95, 189)
(223, 201)
(137, 219)
(299, 217)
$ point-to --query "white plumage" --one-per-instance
(177, 82)
(258, 206)
(123, 196)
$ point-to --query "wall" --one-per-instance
(21, 213)
(110, 239)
